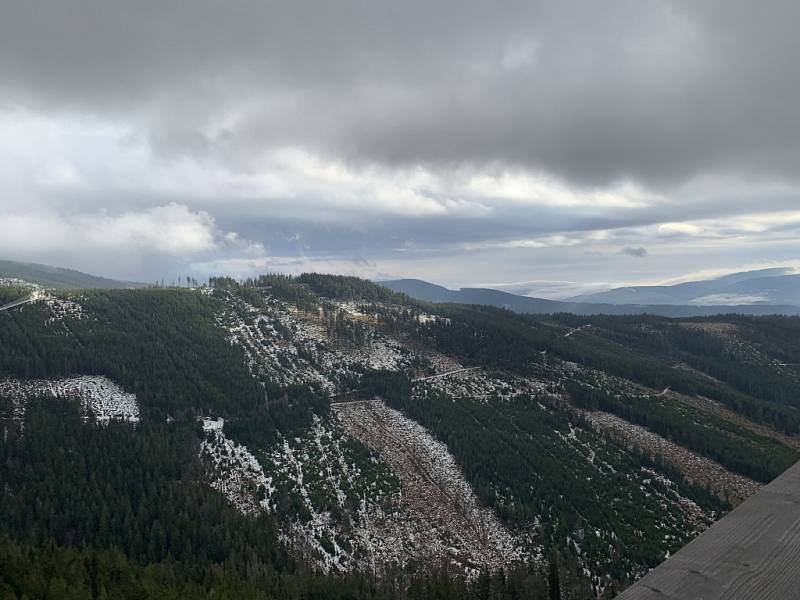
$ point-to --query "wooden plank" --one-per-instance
(753, 553)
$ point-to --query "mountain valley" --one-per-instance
(323, 436)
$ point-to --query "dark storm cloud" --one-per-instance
(593, 92)
(529, 135)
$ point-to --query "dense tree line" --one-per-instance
(68, 573)
(11, 293)
(652, 350)
(485, 336)
(162, 345)
(342, 287)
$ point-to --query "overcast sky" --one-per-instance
(540, 146)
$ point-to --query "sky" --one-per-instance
(549, 148)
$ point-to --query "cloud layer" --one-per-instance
(456, 140)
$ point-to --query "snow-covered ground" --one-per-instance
(478, 384)
(348, 518)
(17, 282)
(234, 471)
(725, 484)
(278, 346)
(99, 396)
(352, 513)
(439, 513)
(62, 308)
(288, 346)
(678, 517)
(344, 520)
(729, 336)
(331, 499)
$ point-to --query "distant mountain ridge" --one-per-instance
(429, 292)
(58, 277)
(778, 286)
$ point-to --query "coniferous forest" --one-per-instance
(96, 507)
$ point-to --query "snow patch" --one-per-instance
(232, 470)
(99, 396)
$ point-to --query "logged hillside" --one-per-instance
(325, 437)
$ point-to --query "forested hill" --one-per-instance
(325, 437)
(57, 277)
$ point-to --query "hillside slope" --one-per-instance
(57, 277)
(324, 435)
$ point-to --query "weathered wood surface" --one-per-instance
(753, 553)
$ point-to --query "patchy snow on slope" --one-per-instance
(478, 384)
(342, 488)
(62, 308)
(17, 282)
(381, 354)
(695, 467)
(439, 513)
(676, 518)
(286, 346)
(344, 510)
(327, 494)
(232, 470)
(276, 347)
(99, 396)
(730, 337)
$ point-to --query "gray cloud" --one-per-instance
(635, 251)
(655, 91)
(329, 132)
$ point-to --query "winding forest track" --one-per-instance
(445, 374)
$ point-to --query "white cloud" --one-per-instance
(548, 191)
(170, 229)
(672, 229)
(93, 194)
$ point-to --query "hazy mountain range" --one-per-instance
(766, 286)
(768, 291)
